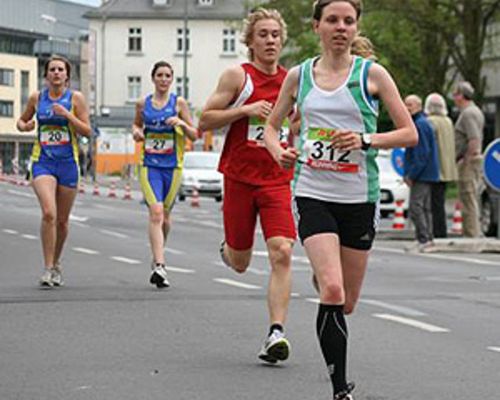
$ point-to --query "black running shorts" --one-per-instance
(353, 223)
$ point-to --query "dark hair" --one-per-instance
(58, 58)
(320, 4)
(160, 64)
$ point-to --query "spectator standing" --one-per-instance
(437, 113)
(421, 171)
(468, 145)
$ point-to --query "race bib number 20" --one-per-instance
(323, 156)
(54, 135)
(256, 132)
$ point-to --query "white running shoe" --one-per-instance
(46, 279)
(276, 348)
(159, 277)
(56, 277)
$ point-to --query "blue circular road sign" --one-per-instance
(398, 160)
(491, 165)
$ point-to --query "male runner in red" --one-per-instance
(254, 184)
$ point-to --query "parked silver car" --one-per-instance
(200, 173)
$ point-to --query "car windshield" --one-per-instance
(201, 160)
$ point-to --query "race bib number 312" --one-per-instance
(323, 156)
(255, 135)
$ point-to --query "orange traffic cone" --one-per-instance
(81, 188)
(128, 193)
(456, 226)
(399, 222)
(96, 191)
(112, 190)
(195, 199)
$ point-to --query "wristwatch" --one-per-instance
(366, 141)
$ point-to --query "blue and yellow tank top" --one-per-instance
(163, 144)
(56, 140)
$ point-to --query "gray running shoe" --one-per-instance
(56, 277)
(276, 348)
(159, 277)
(46, 279)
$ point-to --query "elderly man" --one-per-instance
(468, 142)
(421, 171)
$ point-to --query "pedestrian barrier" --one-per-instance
(456, 226)
(195, 198)
(112, 190)
(96, 191)
(128, 193)
(398, 223)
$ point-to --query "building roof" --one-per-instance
(145, 9)
(26, 15)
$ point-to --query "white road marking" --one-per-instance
(232, 282)
(295, 295)
(412, 322)
(23, 194)
(76, 218)
(10, 231)
(80, 224)
(258, 271)
(174, 251)
(439, 256)
(180, 270)
(85, 250)
(115, 234)
(210, 224)
(312, 300)
(495, 349)
(393, 307)
(125, 260)
(264, 253)
(31, 237)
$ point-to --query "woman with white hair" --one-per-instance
(437, 112)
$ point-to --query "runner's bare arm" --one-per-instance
(80, 119)
(381, 83)
(216, 113)
(283, 107)
(184, 120)
(25, 123)
(137, 126)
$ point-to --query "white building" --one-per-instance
(129, 36)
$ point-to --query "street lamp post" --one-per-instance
(185, 54)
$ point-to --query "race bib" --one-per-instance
(255, 134)
(321, 154)
(52, 135)
(158, 143)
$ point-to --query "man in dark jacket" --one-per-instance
(421, 169)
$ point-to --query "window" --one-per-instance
(134, 87)
(229, 41)
(25, 88)
(180, 40)
(179, 83)
(6, 108)
(134, 39)
(6, 77)
(205, 2)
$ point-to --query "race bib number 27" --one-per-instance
(323, 156)
(159, 144)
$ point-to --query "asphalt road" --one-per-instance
(428, 326)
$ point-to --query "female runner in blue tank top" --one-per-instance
(61, 114)
(162, 120)
(336, 187)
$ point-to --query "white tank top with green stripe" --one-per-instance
(325, 173)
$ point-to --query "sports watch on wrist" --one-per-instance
(366, 141)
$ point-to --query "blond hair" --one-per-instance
(256, 15)
(363, 47)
